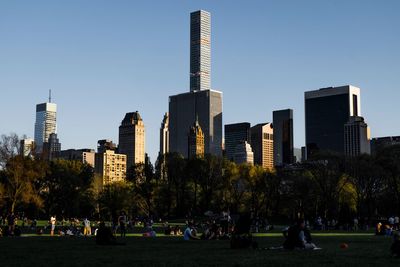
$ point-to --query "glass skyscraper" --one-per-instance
(327, 111)
(200, 51)
(283, 137)
(46, 124)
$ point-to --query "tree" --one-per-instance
(114, 198)
(9, 148)
(68, 188)
(20, 179)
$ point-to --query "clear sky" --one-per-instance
(105, 58)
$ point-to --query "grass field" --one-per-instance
(364, 250)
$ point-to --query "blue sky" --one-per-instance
(105, 58)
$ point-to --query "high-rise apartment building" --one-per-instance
(243, 153)
(46, 124)
(201, 101)
(195, 141)
(132, 138)
(327, 110)
(164, 135)
(110, 166)
(27, 147)
(200, 51)
(262, 142)
(283, 137)
(356, 137)
(234, 134)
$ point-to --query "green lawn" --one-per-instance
(364, 250)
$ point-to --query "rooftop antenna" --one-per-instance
(49, 95)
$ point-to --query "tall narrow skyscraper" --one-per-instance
(200, 51)
(262, 142)
(283, 137)
(201, 101)
(132, 139)
(46, 123)
(164, 135)
(357, 137)
(327, 110)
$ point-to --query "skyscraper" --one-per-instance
(46, 123)
(356, 137)
(200, 51)
(243, 153)
(195, 141)
(235, 134)
(327, 110)
(164, 135)
(262, 142)
(283, 137)
(132, 138)
(201, 101)
(51, 148)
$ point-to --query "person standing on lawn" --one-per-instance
(53, 224)
(87, 229)
(122, 224)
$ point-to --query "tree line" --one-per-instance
(329, 186)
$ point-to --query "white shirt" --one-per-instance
(53, 220)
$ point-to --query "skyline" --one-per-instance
(83, 83)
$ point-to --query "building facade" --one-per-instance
(132, 138)
(380, 143)
(356, 137)
(262, 142)
(27, 147)
(200, 51)
(283, 137)
(84, 155)
(195, 141)
(164, 135)
(243, 153)
(327, 110)
(51, 148)
(110, 166)
(235, 134)
(46, 124)
(104, 145)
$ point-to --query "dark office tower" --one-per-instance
(132, 139)
(51, 148)
(201, 101)
(235, 134)
(200, 51)
(327, 110)
(283, 137)
(195, 141)
(262, 142)
(356, 137)
(183, 108)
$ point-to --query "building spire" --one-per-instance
(49, 95)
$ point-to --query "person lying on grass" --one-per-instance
(297, 236)
(105, 236)
(190, 233)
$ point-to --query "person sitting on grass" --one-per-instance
(297, 236)
(190, 233)
(241, 237)
(395, 248)
(105, 236)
